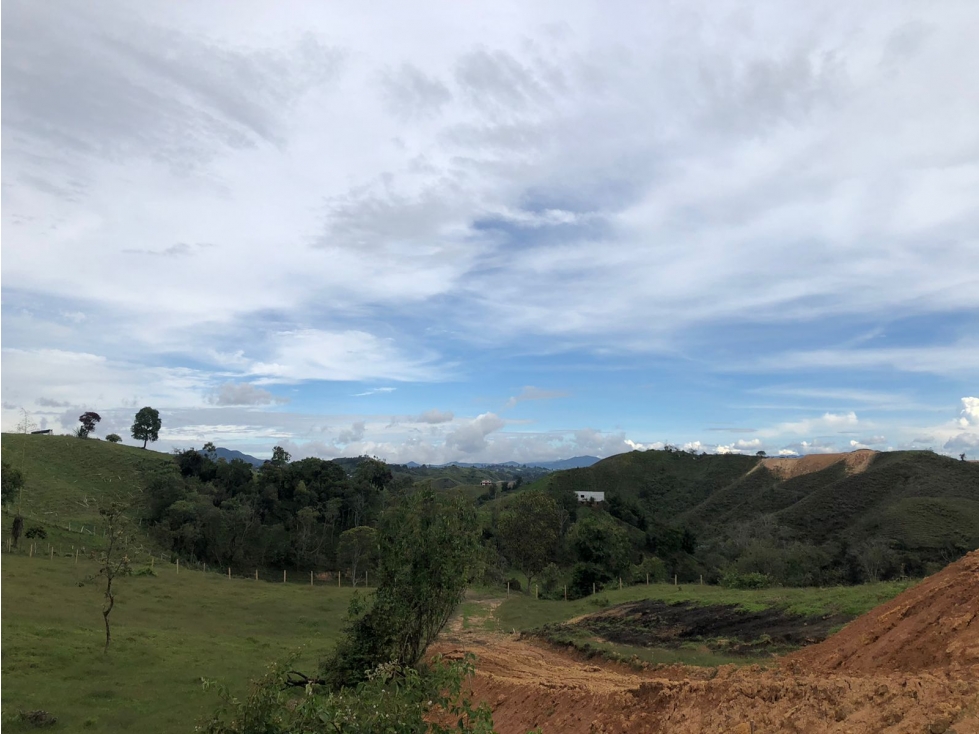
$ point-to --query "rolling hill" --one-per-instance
(914, 500)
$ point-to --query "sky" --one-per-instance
(493, 232)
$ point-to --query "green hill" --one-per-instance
(67, 479)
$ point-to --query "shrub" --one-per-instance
(734, 580)
(652, 566)
(113, 438)
(585, 577)
(513, 583)
(37, 532)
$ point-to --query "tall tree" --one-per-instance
(429, 546)
(88, 421)
(529, 530)
(146, 426)
(11, 480)
(356, 549)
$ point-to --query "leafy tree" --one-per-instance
(11, 481)
(146, 426)
(429, 548)
(113, 438)
(357, 547)
(88, 421)
(598, 540)
(529, 531)
(280, 457)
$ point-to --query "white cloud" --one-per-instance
(434, 416)
(970, 412)
(354, 434)
(533, 393)
(471, 437)
(374, 391)
(231, 393)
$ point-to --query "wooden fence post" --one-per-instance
(674, 579)
(256, 574)
(152, 558)
(310, 578)
(51, 553)
(593, 588)
(229, 573)
(76, 556)
(620, 583)
(647, 579)
(283, 575)
(565, 592)
(338, 578)
(178, 565)
(507, 589)
(536, 592)
(701, 579)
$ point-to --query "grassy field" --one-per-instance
(168, 631)
(67, 479)
(521, 612)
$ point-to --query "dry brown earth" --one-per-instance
(856, 462)
(907, 667)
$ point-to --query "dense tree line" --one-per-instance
(284, 514)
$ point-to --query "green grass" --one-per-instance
(168, 632)
(521, 612)
(67, 479)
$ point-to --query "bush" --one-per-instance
(37, 532)
(652, 566)
(734, 580)
(113, 438)
(551, 582)
(585, 577)
(513, 583)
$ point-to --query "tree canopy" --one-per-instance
(529, 531)
(146, 426)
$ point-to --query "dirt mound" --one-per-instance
(933, 626)
(856, 462)
(530, 686)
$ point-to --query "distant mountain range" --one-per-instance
(575, 462)
(231, 454)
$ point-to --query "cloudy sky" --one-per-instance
(439, 231)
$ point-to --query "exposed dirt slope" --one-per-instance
(933, 626)
(856, 462)
(911, 666)
(529, 686)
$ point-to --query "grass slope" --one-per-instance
(67, 479)
(168, 632)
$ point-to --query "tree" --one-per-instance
(113, 438)
(280, 457)
(760, 453)
(602, 542)
(146, 426)
(111, 563)
(17, 529)
(357, 546)
(11, 480)
(429, 549)
(529, 531)
(88, 421)
(26, 425)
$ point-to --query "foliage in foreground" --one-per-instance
(392, 700)
(428, 550)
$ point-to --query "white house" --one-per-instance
(591, 496)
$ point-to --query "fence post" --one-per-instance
(283, 575)
(229, 572)
(620, 583)
(593, 588)
(30, 553)
(51, 552)
(338, 578)
(152, 558)
(701, 579)
(310, 578)
(674, 579)
(256, 574)
(565, 592)
(507, 589)
(178, 565)
(536, 592)
(647, 579)
(76, 556)
(365, 579)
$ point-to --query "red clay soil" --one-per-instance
(933, 627)
(907, 667)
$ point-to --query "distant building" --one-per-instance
(487, 483)
(591, 496)
(43, 432)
